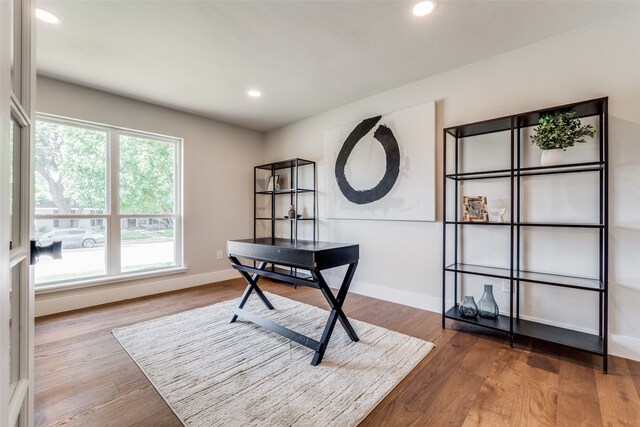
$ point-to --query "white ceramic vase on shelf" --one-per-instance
(552, 157)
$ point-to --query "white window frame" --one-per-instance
(112, 216)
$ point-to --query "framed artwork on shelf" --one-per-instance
(474, 209)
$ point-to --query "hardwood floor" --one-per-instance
(85, 378)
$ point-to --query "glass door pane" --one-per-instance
(14, 183)
(15, 46)
(14, 327)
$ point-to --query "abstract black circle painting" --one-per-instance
(381, 168)
(386, 138)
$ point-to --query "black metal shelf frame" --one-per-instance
(528, 224)
(525, 328)
(286, 191)
(560, 280)
(512, 323)
(529, 171)
(294, 166)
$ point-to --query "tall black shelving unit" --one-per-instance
(300, 187)
(454, 230)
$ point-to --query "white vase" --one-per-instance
(552, 157)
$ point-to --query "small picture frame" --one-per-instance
(475, 209)
(273, 184)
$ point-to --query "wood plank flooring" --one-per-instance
(471, 378)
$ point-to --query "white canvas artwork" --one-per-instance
(387, 173)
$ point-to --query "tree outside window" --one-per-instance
(138, 229)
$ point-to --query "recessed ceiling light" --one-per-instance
(423, 8)
(254, 93)
(46, 16)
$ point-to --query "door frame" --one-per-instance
(22, 108)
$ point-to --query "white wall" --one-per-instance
(218, 186)
(401, 261)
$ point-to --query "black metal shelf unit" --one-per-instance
(301, 182)
(454, 229)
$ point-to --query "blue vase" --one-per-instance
(468, 308)
(487, 306)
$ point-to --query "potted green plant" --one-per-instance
(557, 132)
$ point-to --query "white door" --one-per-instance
(16, 288)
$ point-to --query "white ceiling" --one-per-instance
(305, 56)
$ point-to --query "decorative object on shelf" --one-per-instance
(292, 212)
(557, 132)
(283, 182)
(383, 166)
(273, 183)
(468, 308)
(475, 209)
(500, 214)
(290, 217)
(552, 157)
(487, 306)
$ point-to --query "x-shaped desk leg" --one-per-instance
(252, 285)
(336, 310)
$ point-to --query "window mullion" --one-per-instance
(113, 246)
(178, 205)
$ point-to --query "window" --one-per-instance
(111, 196)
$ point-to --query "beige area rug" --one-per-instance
(213, 373)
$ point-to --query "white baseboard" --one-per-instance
(57, 302)
(412, 299)
(624, 346)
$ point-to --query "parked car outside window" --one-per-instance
(72, 237)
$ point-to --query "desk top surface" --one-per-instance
(302, 253)
(304, 245)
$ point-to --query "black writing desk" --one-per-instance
(307, 255)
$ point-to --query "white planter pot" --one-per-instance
(552, 157)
